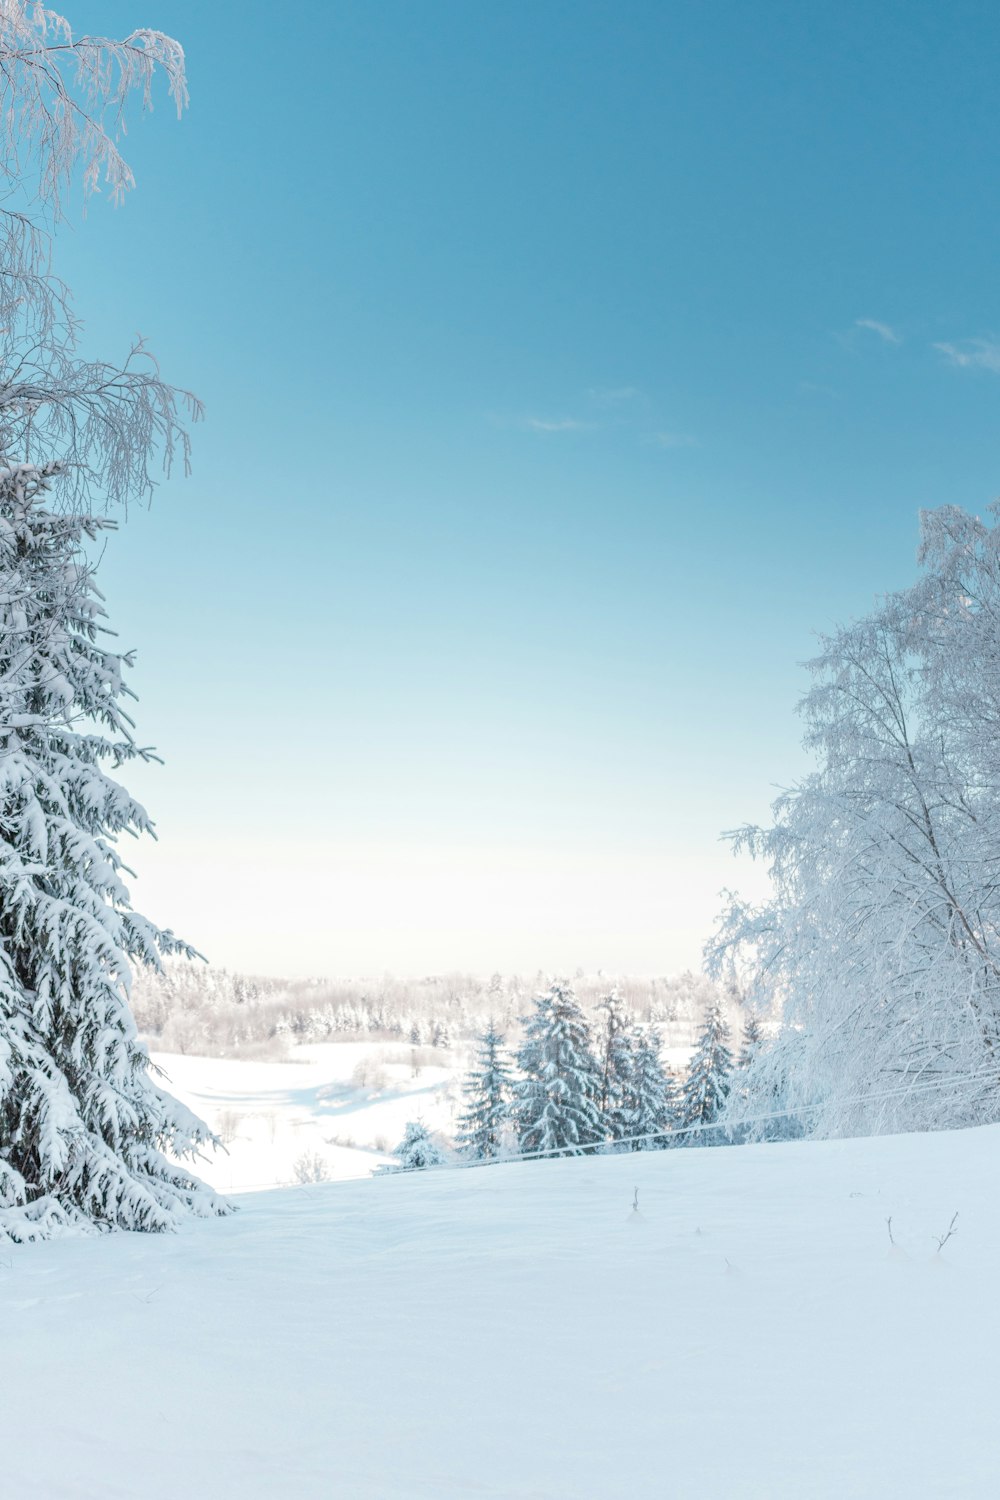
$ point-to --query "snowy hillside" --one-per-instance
(341, 1105)
(517, 1331)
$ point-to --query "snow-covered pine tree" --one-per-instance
(753, 1035)
(615, 1057)
(83, 1128)
(706, 1086)
(487, 1092)
(418, 1149)
(652, 1102)
(441, 1035)
(557, 1099)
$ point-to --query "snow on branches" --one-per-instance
(62, 110)
(83, 1129)
(881, 946)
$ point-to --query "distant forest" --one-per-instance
(192, 1008)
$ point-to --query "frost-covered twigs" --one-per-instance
(880, 950)
(311, 1166)
(63, 100)
(111, 424)
(107, 422)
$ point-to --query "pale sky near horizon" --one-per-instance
(567, 366)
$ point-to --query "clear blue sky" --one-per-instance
(567, 366)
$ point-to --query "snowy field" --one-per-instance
(516, 1332)
(343, 1103)
(346, 1103)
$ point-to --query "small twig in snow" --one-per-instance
(946, 1237)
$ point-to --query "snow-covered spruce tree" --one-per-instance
(880, 950)
(487, 1093)
(418, 1149)
(751, 1039)
(441, 1035)
(557, 1098)
(637, 1097)
(706, 1086)
(82, 1126)
(615, 1057)
(652, 1102)
(83, 1129)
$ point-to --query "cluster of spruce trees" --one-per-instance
(573, 1086)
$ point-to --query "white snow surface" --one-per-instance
(516, 1332)
(270, 1114)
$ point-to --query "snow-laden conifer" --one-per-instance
(751, 1039)
(637, 1097)
(615, 1058)
(652, 1102)
(487, 1092)
(419, 1148)
(707, 1084)
(557, 1099)
(83, 1128)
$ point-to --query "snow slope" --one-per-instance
(270, 1114)
(515, 1333)
(346, 1103)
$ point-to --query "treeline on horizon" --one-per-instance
(198, 1009)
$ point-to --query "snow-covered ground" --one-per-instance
(517, 1332)
(344, 1104)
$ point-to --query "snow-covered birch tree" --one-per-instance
(881, 946)
(85, 1134)
(63, 102)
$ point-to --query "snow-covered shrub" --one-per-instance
(228, 1127)
(311, 1166)
(370, 1074)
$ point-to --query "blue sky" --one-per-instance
(567, 365)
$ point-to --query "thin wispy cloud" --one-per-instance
(672, 440)
(559, 424)
(972, 354)
(522, 423)
(882, 330)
